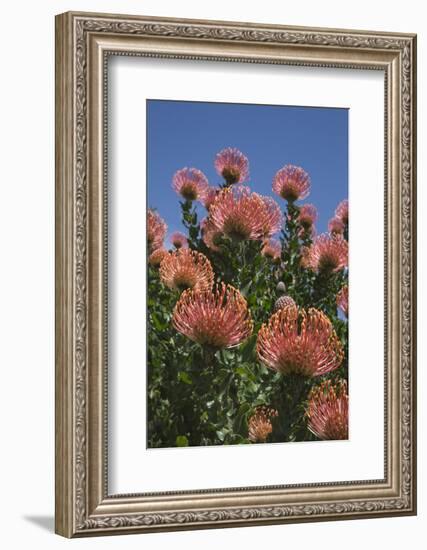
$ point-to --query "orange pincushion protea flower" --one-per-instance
(186, 268)
(342, 300)
(328, 253)
(259, 424)
(156, 257)
(156, 230)
(272, 249)
(211, 236)
(299, 342)
(216, 319)
(191, 184)
(232, 165)
(341, 211)
(327, 411)
(291, 183)
(242, 215)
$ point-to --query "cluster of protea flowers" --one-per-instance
(294, 339)
(327, 410)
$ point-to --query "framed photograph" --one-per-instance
(235, 274)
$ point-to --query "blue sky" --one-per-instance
(181, 133)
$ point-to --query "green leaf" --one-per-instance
(194, 232)
(183, 377)
(220, 435)
(248, 348)
(181, 441)
(246, 288)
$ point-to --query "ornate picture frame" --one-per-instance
(84, 42)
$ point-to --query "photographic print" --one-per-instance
(247, 237)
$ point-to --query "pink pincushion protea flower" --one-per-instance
(328, 253)
(211, 236)
(310, 232)
(341, 211)
(336, 226)
(342, 300)
(191, 184)
(272, 249)
(242, 215)
(232, 165)
(156, 257)
(259, 424)
(291, 183)
(327, 411)
(307, 216)
(156, 230)
(186, 268)
(179, 240)
(295, 341)
(215, 319)
(210, 197)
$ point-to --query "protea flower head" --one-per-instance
(281, 287)
(242, 215)
(232, 165)
(284, 301)
(156, 230)
(327, 253)
(156, 257)
(296, 341)
(272, 249)
(259, 424)
(342, 300)
(186, 268)
(215, 319)
(310, 232)
(341, 211)
(191, 184)
(210, 235)
(179, 240)
(336, 226)
(210, 197)
(327, 410)
(291, 183)
(307, 216)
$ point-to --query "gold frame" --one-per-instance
(83, 43)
